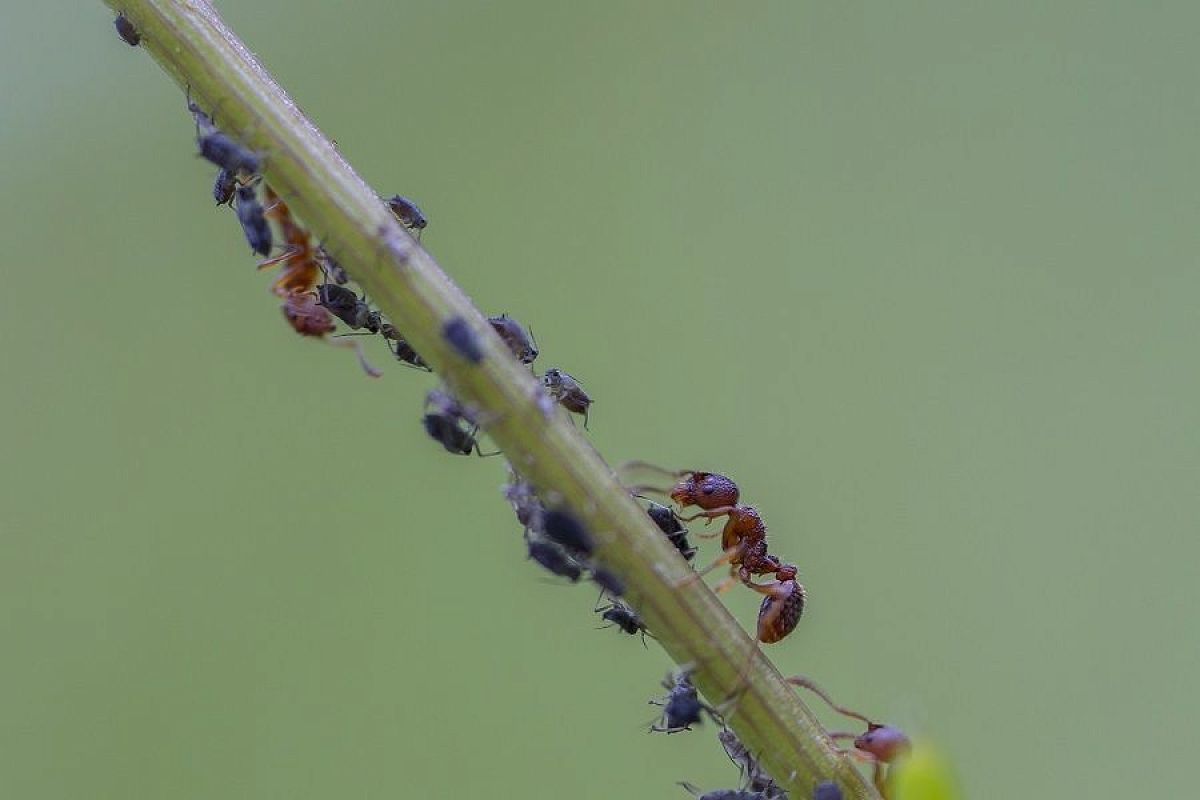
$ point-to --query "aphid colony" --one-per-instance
(312, 291)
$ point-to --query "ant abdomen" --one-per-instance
(779, 615)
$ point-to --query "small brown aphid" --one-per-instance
(401, 349)
(407, 212)
(518, 339)
(126, 31)
(223, 187)
(567, 391)
(754, 777)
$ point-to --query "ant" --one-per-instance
(408, 213)
(219, 147)
(298, 277)
(682, 707)
(126, 31)
(879, 745)
(668, 522)
(451, 425)
(519, 340)
(461, 338)
(254, 224)
(567, 391)
(223, 187)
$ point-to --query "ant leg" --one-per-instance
(807, 683)
(279, 259)
(710, 515)
(728, 556)
(358, 351)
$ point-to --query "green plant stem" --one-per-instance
(190, 41)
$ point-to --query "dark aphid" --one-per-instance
(754, 777)
(220, 148)
(623, 617)
(682, 707)
(407, 212)
(553, 559)
(403, 351)
(452, 425)
(450, 433)
(567, 391)
(518, 339)
(827, 790)
(223, 187)
(668, 522)
(564, 528)
(126, 30)
(332, 269)
(254, 224)
(344, 304)
(608, 581)
(525, 503)
(722, 794)
(460, 337)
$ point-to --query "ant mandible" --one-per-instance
(880, 744)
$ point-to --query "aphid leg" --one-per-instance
(358, 351)
(478, 451)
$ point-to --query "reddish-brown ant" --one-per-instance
(880, 744)
(126, 31)
(567, 391)
(298, 275)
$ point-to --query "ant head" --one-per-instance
(884, 742)
(785, 572)
(707, 490)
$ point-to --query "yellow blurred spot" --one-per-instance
(924, 775)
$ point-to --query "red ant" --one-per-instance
(744, 540)
(299, 270)
(880, 744)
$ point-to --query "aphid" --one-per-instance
(562, 527)
(623, 617)
(221, 149)
(553, 559)
(344, 304)
(567, 391)
(332, 269)
(254, 224)
(668, 522)
(223, 187)
(407, 212)
(723, 794)
(460, 337)
(682, 707)
(880, 744)
(518, 339)
(451, 425)
(608, 581)
(525, 503)
(126, 30)
(827, 790)
(754, 777)
(400, 347)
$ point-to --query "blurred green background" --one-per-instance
(922, 277)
